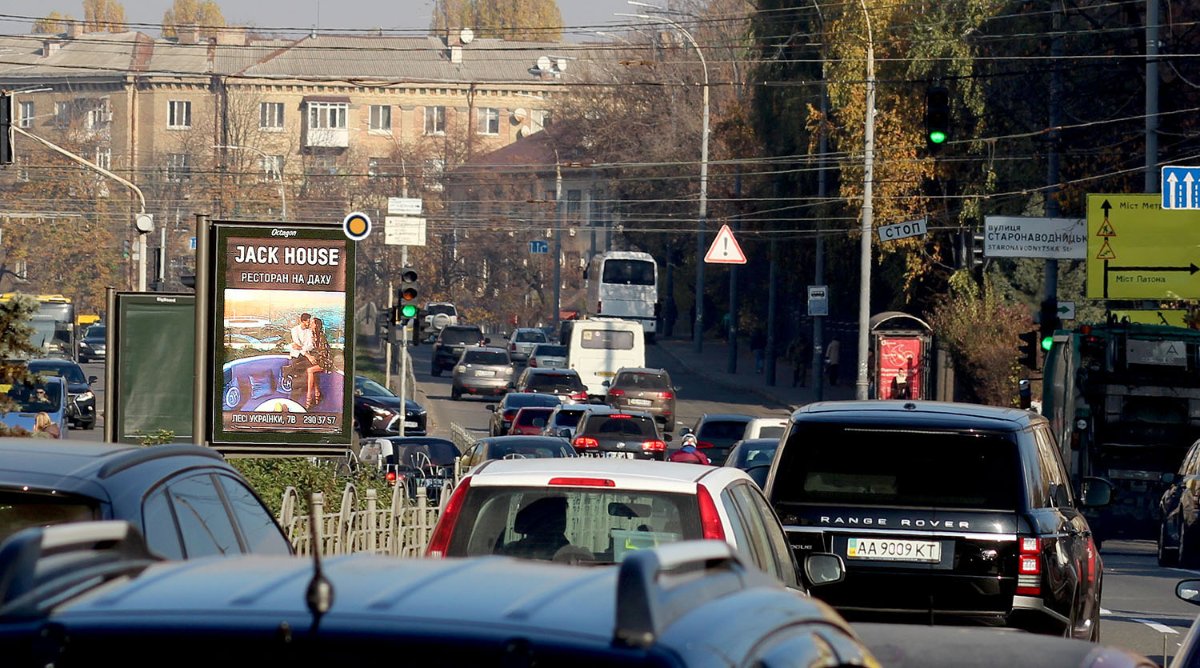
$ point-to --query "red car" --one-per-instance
(530, 421)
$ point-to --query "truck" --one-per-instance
(1123, 400)
(53, 324)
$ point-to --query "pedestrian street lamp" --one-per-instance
(278, 176)
(702, 221)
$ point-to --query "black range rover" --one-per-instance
(450, 344)
(945, 513)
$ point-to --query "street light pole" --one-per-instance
(282, 192)
(702, 222)
(864, 293)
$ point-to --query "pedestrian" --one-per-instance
(688, 452)
(833, 356)
(44, 427)
(758, 345)
(797, 353)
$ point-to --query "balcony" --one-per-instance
(327, 138)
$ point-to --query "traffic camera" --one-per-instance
(937, 117)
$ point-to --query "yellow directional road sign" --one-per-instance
(1136, 250)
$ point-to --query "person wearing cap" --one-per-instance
(688, 452)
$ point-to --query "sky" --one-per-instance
(302, 15)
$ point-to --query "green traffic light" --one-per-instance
(937, 137)
(1047, 343)
(408, 310)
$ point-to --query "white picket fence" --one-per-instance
(401, 528)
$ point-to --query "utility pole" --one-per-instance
(558, 223)
(818, 338)
(1152, 185)
(1050, 279)
(864, 290)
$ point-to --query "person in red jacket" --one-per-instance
(688, 452)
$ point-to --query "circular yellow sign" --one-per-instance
(357, 226)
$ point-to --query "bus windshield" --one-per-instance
(628, 272)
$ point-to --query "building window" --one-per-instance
(179, 167)
(272, 167)
(381, 118)
(99, 115)
(489, 121)
(62, 114)
(270, 115)
(435, 120)
(22, 162)
(541, 119)
(323, 165)
(327, 115)
(432, 174)
(104, 158)
(26, 115)
(179, 114)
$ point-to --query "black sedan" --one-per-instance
(187, 501)
(377, 411)
(418, 462)
(81, 401)
(504, 412)
(94, 344)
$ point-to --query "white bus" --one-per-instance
(598, 347)
(624, 284)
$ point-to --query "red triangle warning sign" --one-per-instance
(725, 249)
(1106, 252)
(1106, 229)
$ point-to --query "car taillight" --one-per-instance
(579, 396)
(583, 482)
(585, 443)
(512, 346)
(703, 445)
(509, 415)
(710, 519)
(392, 477)
(1029, 566)
(665, 395)
(532, 361)
(440, 542)
(654, 445)
(616, 393)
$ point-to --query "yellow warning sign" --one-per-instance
(1156, 257)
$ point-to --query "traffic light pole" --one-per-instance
(403, 354)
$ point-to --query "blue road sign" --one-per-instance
(539, 247)
(1181, 187)
(191, 243)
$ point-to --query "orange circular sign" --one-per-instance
(357, 226)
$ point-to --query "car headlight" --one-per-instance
(380, 411)
(460, 369)
(86, 396)
(83, 344)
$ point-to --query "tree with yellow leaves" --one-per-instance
(54, 23)
(205, 15)
(103, 16)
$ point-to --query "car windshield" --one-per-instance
(531, 336)
(550, 350)
(754, 454)
(532, 416)
(21, 510)
(646, 381)
(521, 399)
(567, 418)
(594, 524)
(485, 357)
(555, 381)
(458, 337)
(95, 332)
(369, 388)
(422, 455)
(898, 467)
(440, 309)
(628, 272)
(770, 432)
(36, 398)
(69, 372)
(721, 430)
(516, 448)
(619, 426)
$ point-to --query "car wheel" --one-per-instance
(90, 425)
(436, 371)
(1187, 551)
(1167, 556)
(455, 395)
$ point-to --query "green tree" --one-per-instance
(204, 14)
(103, 16)
(517, 20)
(54, 23)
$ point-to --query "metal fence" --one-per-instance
(361, 523)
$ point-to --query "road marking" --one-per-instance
(1161, 628)
(1104, 611)
(1183, 570)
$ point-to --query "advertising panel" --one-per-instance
(153, 359)
(282, 338)
(899, 368)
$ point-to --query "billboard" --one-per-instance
(281, 335)
(152, 358)
(900, 366)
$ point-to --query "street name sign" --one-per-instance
(1041, 238)
(404, 206)
(1136, 250)
(403, 231)
(1181, 187)
(818, 300)
(725, 249)
(912, 228)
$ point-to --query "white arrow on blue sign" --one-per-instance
(539, 247)
(1181, 187)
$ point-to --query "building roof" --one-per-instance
(92, 55)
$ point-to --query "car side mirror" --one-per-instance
(564, 433)
(490, 407)
(823, 568)
(606, 383)
(684, 431)
(1188, 590)
(1097, 492)
(92, 379)
(668, 438)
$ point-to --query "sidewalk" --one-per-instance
(712, 362)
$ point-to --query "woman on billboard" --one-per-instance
(321, 358)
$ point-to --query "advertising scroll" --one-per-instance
(283, 340)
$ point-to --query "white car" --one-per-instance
(765, 428)
(596, 511)
(522, 341)
(548, 356)
(438, 316)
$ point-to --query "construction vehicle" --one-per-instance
(1123, 400)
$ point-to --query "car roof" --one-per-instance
(528, 439)
(486, 349)
(626, 473)
(726, 417)
(535, 371)
(642, 369)
(769, 420)
(603, 409)
(74, 466)
(52, 362)
(936, 414)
